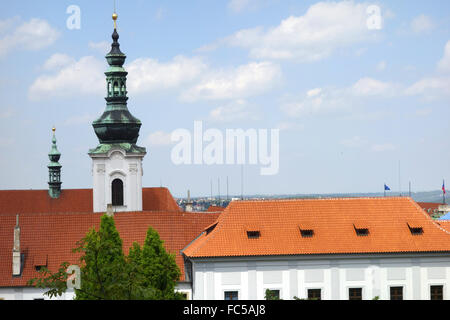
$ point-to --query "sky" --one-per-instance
(359, 91)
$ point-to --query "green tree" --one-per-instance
(158, 267)
(106, 273)
(270, 295)
(103, 267)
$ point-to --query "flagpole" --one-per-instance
(443, 191)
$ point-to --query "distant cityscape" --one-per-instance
(203, 203)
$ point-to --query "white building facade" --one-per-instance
(333, 277)
(115, 165)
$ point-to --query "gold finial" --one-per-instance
(114, 17)
(53, 129)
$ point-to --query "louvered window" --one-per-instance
(117, 192)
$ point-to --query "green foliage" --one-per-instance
(55, 282)
(270, 295)
(376, 298)
(159, 267)
(102, 263)
(107, 274)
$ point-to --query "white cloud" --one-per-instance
(147, 74)
(381, 66)
(34, 34)
(233, 111)
(102, 46)
(327, 101)
(422, 24)
(434, 86)
(290, 126)
(354, 142)
(430, 87)
(325, 27)
(383, 147)
(372, 87)
(191, 76)
(159, 138)
(236, 83)
(424, 112)
(360, 52)
(84, 76)
(444, 63)
(57, 61)
(314, 92)
(339, 100)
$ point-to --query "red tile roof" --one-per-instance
(429, 207)
(49, 237)
(75, 201)
(333, 223)
(38, 201)
(158, 199)
(444, 224)
(215, 209)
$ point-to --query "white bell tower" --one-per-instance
(117, 179)
(117, 160)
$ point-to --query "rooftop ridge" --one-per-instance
(322, 199)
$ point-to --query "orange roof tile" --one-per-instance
(334, 232)
(75, 201)
(38, 201)
(51, 237)
(215, 209)
(158, 199)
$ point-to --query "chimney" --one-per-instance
(189, 202)
(109, 210)
(16, 250)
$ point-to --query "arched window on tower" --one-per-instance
(117, 192)
(116, 89)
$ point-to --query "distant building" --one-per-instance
(434, 209)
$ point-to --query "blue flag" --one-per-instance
(386, 187)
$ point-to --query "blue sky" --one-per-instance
(350, 102)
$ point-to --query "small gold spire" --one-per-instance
(114, 17)
(53, 129)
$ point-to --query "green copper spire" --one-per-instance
(54, 170)
(116, 125)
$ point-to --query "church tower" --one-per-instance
(117, 160)
(54, 170)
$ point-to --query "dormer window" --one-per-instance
(210, 228)
(306, 230)
(415, 228)
(39, 261)
(361, 229)
(255, 234)
(362, 232)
